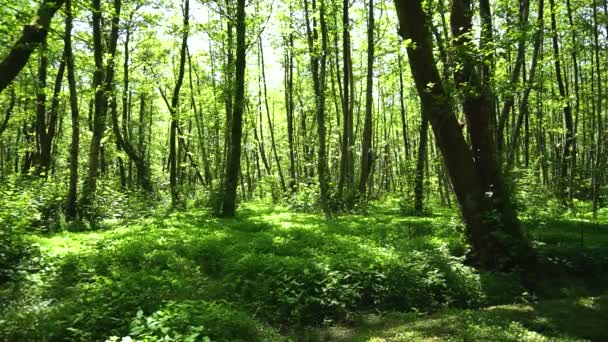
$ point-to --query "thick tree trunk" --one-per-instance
(233, 161)
(99, 116)
(33, 35)
(495, 235)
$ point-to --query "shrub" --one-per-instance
(195, 321)
(17, 214)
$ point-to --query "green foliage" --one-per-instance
(305, 199)
(188, 274)
(20, 210)
(194, 321)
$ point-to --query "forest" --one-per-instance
(303, 170)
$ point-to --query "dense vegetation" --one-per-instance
(187, 170)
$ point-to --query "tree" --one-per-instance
(346, 154)
(32, 36)
(567, 153)
(366, 145)
(318, 67)
(493, 230)
(233, 161)
(99, 115)
(71, 207)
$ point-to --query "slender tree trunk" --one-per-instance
(318, 62)
(404, 127)
(366, 145)
(270, 125)
(199, 120)
(576, 76)
(420, 165)
(524, 9)
(346, 161)
(71, 209)
(523, 104)
(595, 178)
(568, 122)
(46, 152)
(267, 164)
(289, 105)
(43, 62)
(174, 110)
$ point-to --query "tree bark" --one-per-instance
(566, 156)
(523, 104)
(32, 36)
(71, 210)
(8, 112)
(174, 110)
(289, 105)
(495, 243)
(366, 145)
(346, 160)
(233, 161)
(99, 116)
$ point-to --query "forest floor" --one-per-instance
(273, 274)
(570, 319)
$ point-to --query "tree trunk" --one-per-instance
(366, 145)
(233, 161)
(289, 105)
(71, 210)
(346, 160)
(568, 122)
(270, 125)
(486, 225)
(523, 104)
(420, 165)
(174, 110)
(318, 62)
(99, 116)
(524, 9)
(33, 35)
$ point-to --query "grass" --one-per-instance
(272, 274)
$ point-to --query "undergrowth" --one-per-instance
(189, 276)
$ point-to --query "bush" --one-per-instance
(195, 321)
(17, 214)
(304, 291)
(305, 199)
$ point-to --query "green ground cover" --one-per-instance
(274, 274)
